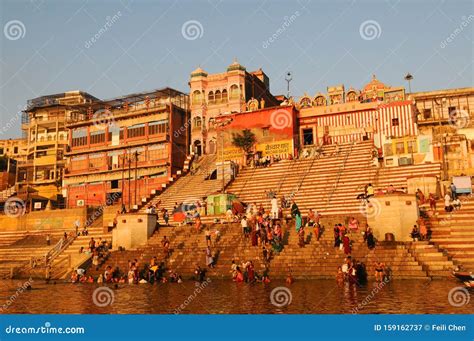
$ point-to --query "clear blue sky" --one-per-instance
(144, 47)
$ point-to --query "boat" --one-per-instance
(464, 276)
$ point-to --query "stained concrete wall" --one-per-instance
(45, 220)
(393, 213)
(133, 230)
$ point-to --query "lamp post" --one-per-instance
(288, 79)
(136, 154)
(408, 78)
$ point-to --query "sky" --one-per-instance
(113, 48)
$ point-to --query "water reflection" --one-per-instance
(225, 297)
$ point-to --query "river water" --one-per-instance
(226, 297)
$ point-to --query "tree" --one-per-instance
(244, 140)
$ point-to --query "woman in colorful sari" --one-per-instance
(239, 276)
(353, 224)
(296, 214)
(347, 244)
(301, 237)
(337, 240)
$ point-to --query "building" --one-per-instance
(446, 118)
(275, 130)
(377, 112)
(122, 149)
(235, 90)
(12, 151)
(15, 149)
(44, 125)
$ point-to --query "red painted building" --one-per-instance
(122, 149)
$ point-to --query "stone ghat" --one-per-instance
(318, 259)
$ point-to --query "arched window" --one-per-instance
(197, 97)
(197, 122)
(218, 96)
(234, 91)
(210, 97)
(224, 96)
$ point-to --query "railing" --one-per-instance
(338, 176)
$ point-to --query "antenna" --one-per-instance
(288, 79)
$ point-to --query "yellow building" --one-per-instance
(47, 141)
(447, 116)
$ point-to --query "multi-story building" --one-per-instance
(233, 91)
(447, 117)
(47, 140)
(122, 149)
(12, 151)
(377, 112)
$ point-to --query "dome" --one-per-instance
(374, 84)
(235, 66)
(199, 72)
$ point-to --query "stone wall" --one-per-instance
(45, 220)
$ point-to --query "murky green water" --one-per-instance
(224, 297)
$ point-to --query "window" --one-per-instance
(266, 132)
(1, 151)
(218, 98)
(234, 91)
(97, 136)
(79, 137)
(451, 110)
(114, 184)
(411, 147)
(158, 127)
(136, 131)
(15, 150)
(308, 136)
(210, 97)
(197, 122)
(197, 97)
(224, 95)
(395, 122)
(426, 114)
(400, 147)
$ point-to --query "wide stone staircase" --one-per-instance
(190, 188)
(321, 259)
(453, 232)
(17, 248)
(330, 183)
(65, 262)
